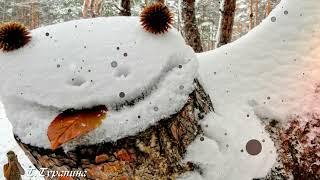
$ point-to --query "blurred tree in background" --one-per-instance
(36, 13)
(190, 27)
(224, 32)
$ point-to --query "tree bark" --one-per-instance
(297, 147)
(256, 12)
(191, 32)
(155, 153)
(251, 15)
(224, 34)
(268, 8)
(34, 15)
(125, 5)
(91, 8)
(97, 7)
(85, 8)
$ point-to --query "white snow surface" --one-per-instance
(85, 63)
(271, 73)
(279, 60)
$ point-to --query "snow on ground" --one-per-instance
(265, 74)
(8, 143)
(101, 61)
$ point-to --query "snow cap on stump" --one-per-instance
(139, 76)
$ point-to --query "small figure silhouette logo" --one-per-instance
(12, 170)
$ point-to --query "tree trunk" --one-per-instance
(91, 8)
(125, 5)
(97, 7)
(34, 15)
(268, 8)
(297, 147)
(256, 12)
(224, 34)
(191, 32)
(178, 11)
(155, 153)
(85, 8)
(251, 15)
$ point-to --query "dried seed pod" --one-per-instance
(156, 18)
(13, 36)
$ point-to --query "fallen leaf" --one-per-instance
(74, 123)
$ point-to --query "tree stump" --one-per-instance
(297, 147)
(155, 153)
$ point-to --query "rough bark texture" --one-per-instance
(268, 8)
(155, 153)
(226, 23)
(191, 32)
(251, 15)
(92, 8)
(297, 147)
(34, 15)
(125, 5)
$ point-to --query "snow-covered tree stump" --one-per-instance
(155, 153)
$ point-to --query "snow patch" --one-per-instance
(268, 73)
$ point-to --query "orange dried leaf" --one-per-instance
(71, 124)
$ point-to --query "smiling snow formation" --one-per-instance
(96, 85)
(87, 63)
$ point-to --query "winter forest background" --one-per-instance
(247, 14)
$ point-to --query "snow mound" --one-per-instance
(88, 62)
(264, 75)
(101, 61)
